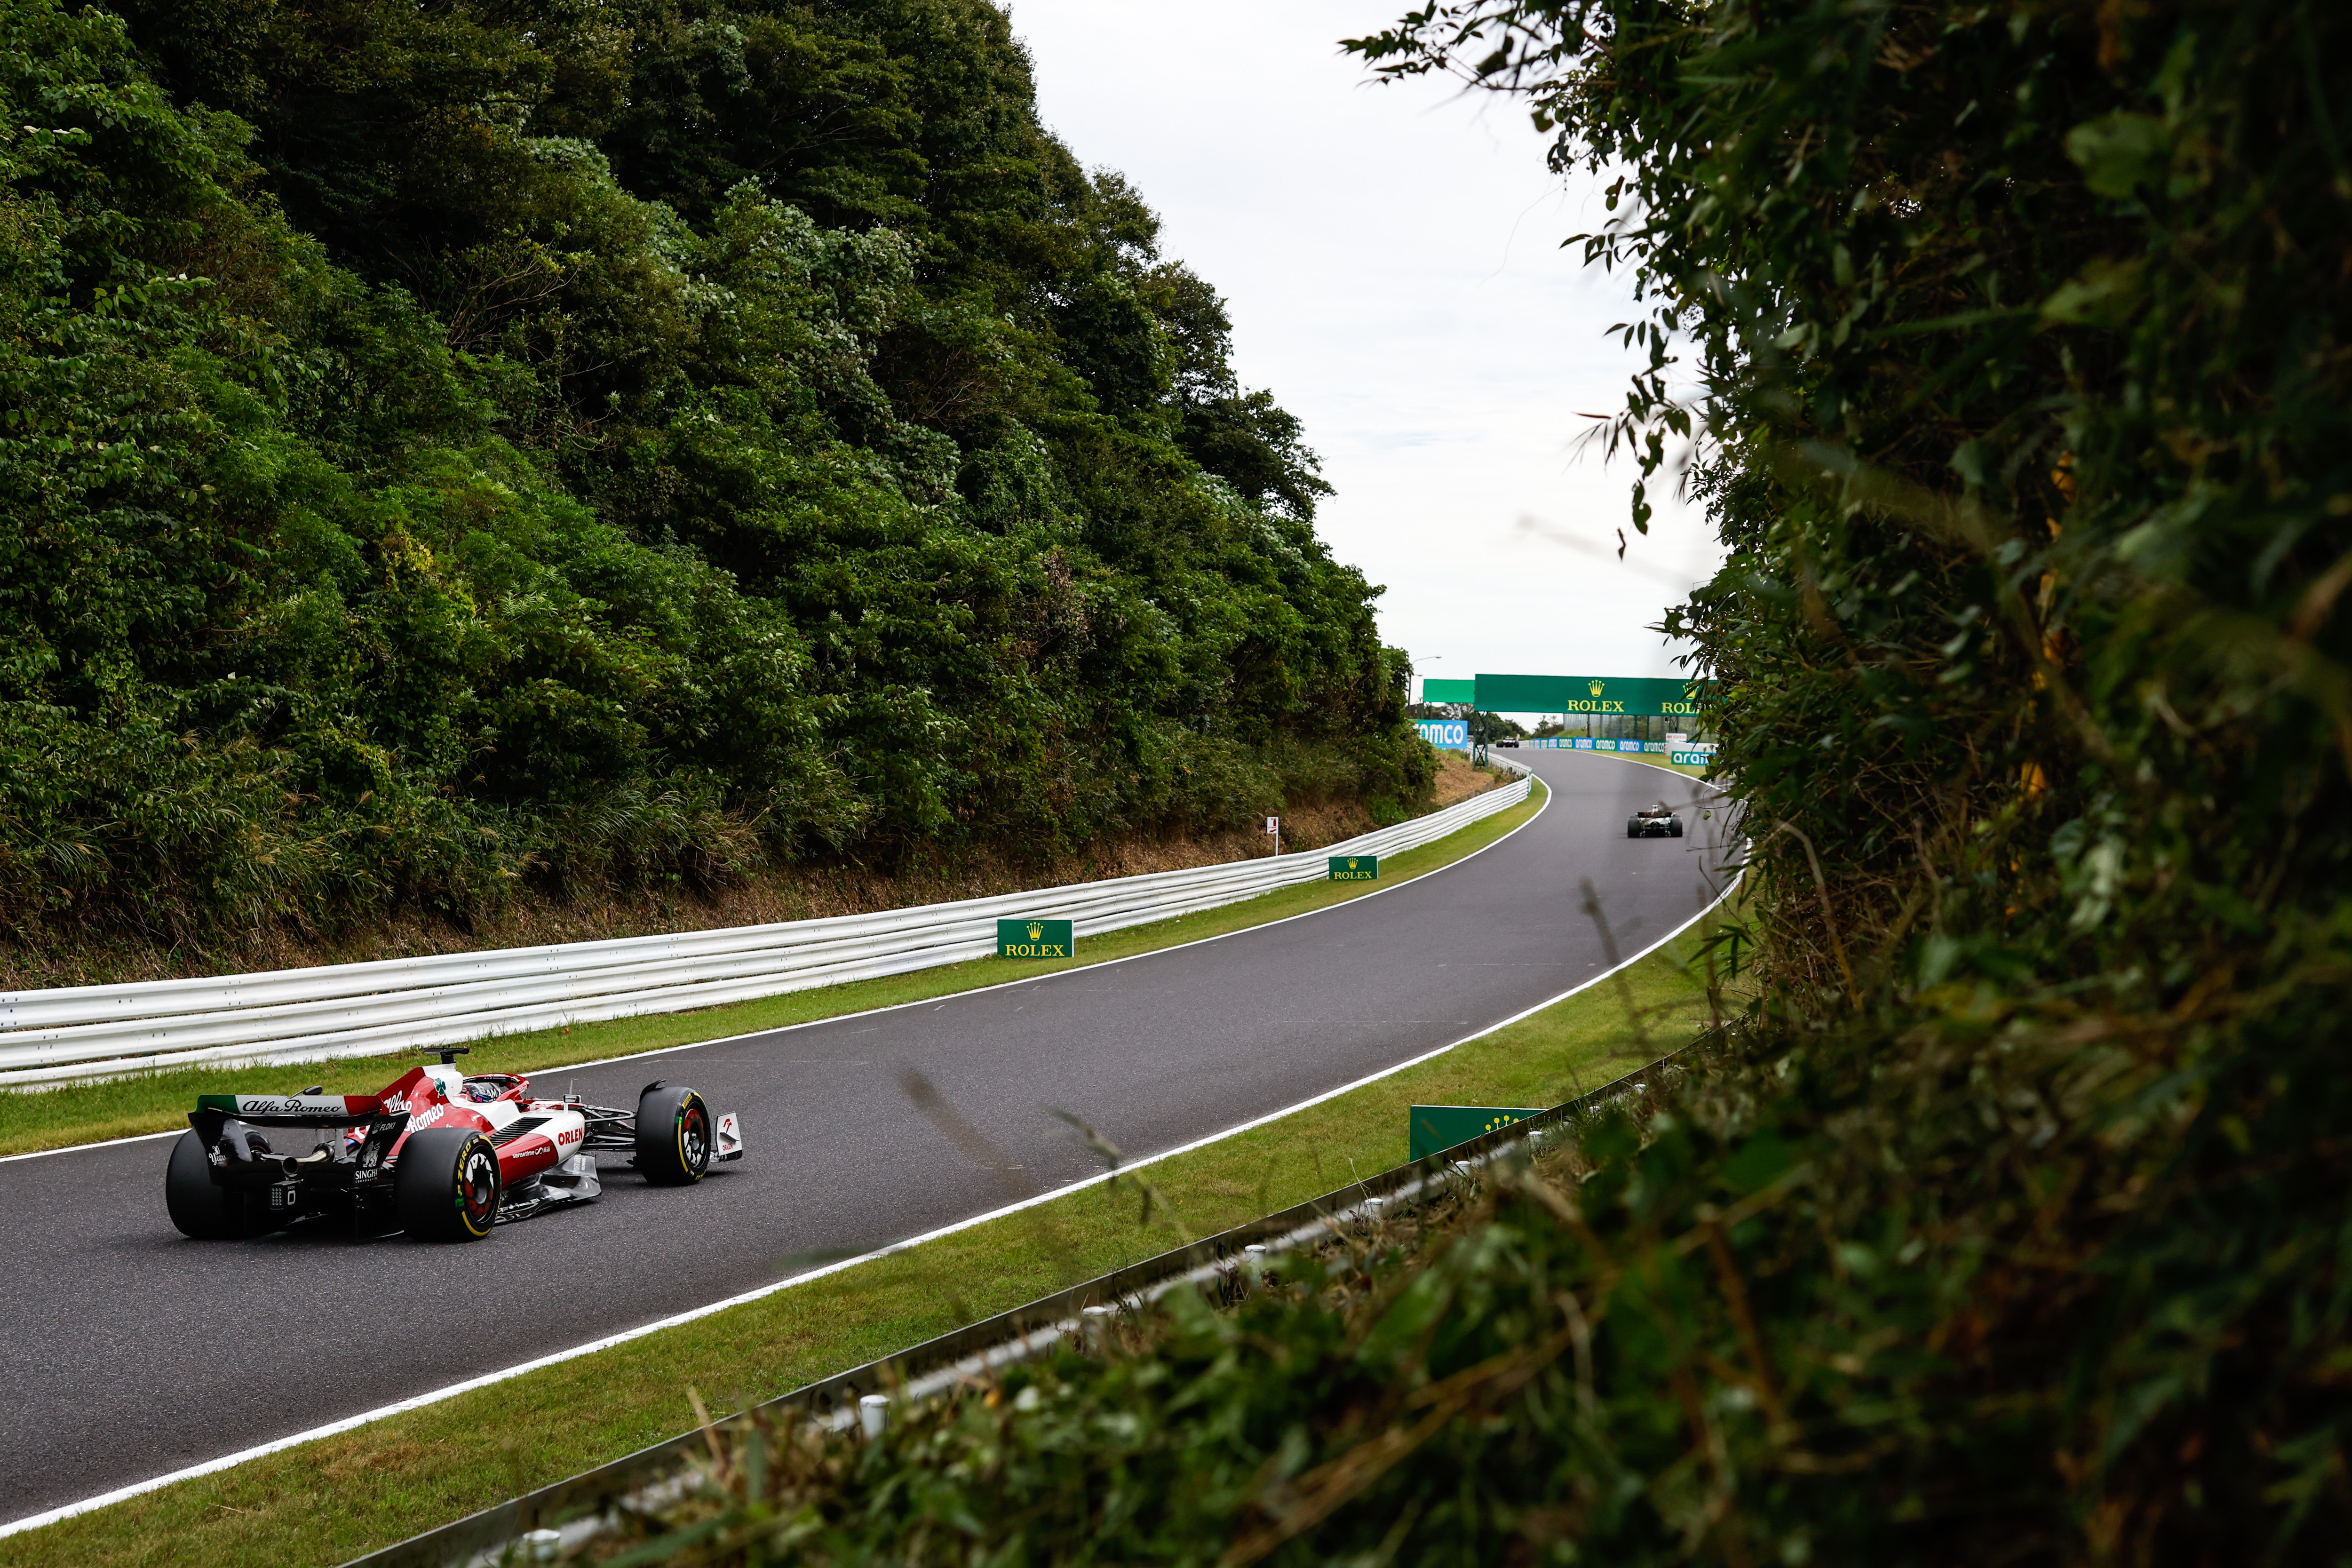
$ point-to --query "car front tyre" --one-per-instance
(674, 1135)
(446, 1186)
(201, 1208)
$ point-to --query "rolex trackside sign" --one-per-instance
(1432, 1129)
(1354, 867)
(1033, 939)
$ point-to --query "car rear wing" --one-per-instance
(221, 1122)
(296, 1109)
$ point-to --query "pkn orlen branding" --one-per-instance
(1033, 939)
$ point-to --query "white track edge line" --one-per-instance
(101, 1143)
(418, 1401)
(940, 998)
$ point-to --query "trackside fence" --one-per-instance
(87, 1032)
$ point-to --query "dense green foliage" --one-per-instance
(2014, 1220)
(449, 446)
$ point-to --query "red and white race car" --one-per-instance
(439, 1153)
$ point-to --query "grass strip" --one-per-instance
(159, 1101)
(1690, 770)
(1652, 760)
(328, 1501)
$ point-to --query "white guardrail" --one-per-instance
(86, 1031)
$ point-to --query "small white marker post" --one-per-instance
(1274, 826)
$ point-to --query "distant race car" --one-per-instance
(1657, 821)
(439, 1153)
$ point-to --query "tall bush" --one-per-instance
(444, 450)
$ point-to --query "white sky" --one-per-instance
(1390, 258)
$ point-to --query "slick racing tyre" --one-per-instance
(1633, 828)
(446, 1184)
(674, 1135)
(201, 1209)
(1675, 829)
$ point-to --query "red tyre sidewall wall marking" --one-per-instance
(476, 1152)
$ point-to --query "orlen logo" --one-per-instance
(570, 1136)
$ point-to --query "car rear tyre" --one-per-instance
(1633, 828)
(674, 1135)
(1674, 830)
(446, 1186)
(200, 1207)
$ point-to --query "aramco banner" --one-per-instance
(1611, 694)
(1444, 732)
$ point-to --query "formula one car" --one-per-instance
(1657, 821)
(439, 1153)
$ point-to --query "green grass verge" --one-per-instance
(1691, 769)
(158, 1102)
(1687, 769)
(330, 1501)
(1647, 760)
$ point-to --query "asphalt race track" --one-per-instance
(131, 1351)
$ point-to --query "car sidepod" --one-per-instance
(543, 1159)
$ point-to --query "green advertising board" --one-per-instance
(1033, 939)
(1354, 867)
(1437, 1128)
(1610, 694)
(1449, 691)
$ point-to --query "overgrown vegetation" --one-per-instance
(2010, 1222)
(1170, 1436)
(448, 448)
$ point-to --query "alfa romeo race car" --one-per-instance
(439, 1153)
(1657, 821)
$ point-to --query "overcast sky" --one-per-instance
(1391, 255)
